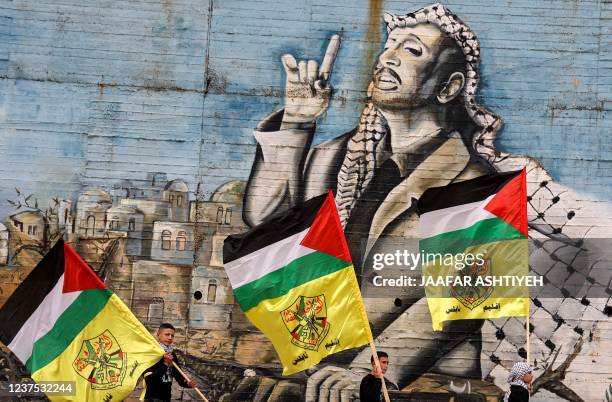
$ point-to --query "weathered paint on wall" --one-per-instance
(109, 106)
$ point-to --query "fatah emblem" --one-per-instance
(474, 295)
(306, 320)
(101, 361)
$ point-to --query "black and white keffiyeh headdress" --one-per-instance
(360, 160)
(516, 376)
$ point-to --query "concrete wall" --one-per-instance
(96, 94)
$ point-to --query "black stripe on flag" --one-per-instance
(463, 192)
(276, 228)
(31, 292)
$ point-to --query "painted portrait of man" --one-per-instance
(421, 127)
(144, 134)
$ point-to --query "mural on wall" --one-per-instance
(158, 243)
(421, 127)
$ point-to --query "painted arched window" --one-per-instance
(212, 291)
(91, 225)
(181, 241)
(166, 240)
(132, 224)
(155, 315)
(220, 214)
(179, 200)
(228, 216)
(114, 223)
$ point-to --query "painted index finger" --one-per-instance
(330, 56)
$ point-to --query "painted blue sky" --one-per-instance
(90, 95)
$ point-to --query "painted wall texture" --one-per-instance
(145, 133)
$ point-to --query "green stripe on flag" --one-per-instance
(281, 281)
(482, 232)
(67, 327)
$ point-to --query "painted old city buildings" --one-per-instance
(156, 245)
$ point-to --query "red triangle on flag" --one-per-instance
(77, 274)
(326, 234)
(510, 203)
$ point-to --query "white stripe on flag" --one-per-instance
(42, 320)
(265, 260)
(454, 218)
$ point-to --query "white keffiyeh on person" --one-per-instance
(516, 377)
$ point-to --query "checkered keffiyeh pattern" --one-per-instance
(518, 371)
(453, 27)
(516, 376)
(465, 38)
(166, 348)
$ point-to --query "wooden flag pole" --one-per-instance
(377, 363)
(527, 337)
(188, 379)
(361, 306)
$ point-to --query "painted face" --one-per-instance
(406, 74)
(166, 336)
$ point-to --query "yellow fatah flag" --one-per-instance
(474, 248)
(293, 277)
(66, 326)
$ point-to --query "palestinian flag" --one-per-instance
(470, 232)
(64, 324)
(293, 277)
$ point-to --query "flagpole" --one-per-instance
(360, 305)
(527, 336)
(382, 377)
(188, 379)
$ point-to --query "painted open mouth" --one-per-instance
(386, 79)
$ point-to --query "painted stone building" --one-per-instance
(161, 292)
(30, 221)
(4, 244)
(91, 212)
(212, 299)
(176, 193)
(213, 305)
(127, 218)
(173, 241)
(164, 110)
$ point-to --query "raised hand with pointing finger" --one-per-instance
(307, 88)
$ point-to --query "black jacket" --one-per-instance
(370, 389)
(518, 394)
(159, 381)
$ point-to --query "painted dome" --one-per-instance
(230, 192)
(95, 195)
(177, 185)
